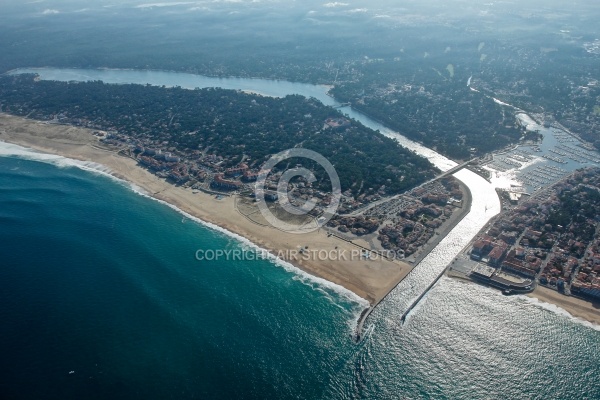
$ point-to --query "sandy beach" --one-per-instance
(575, 306)
(369, 279)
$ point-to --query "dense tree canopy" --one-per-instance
(228, 123)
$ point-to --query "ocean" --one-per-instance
(101, 296)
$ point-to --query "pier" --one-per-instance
(418, 300)
(366, 312)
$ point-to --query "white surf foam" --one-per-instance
(501, 102)
(316, 283)
(312, 281)
(559, 311)
(16, 151)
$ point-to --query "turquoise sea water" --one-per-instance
(96, 279)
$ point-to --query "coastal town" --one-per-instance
(386, 208)
(399, 216)
(186, 134)
(208, 172)
(282, 199)
(405, 224)
(402, 225)
(550, 240)
(515, 254)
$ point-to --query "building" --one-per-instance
(250, 176)
(518, 268)
(586, 289)
(151, 163)
(480, 248)
(482, 271)
(225, 184)
(171, 158)
(180, 173)
(509, 237)
(236, 171)
(496, 256)
(514, 197)
(271, 195)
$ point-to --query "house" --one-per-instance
(478, 249)
(509, 237)
(171, 158)
(271, 195)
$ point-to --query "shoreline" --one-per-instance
(432, 244)
(577, 307)
(550, 300)
(205, 75)
(370, 280)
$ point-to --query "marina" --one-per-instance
(536, 166)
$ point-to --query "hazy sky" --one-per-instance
(448, 21)
(390, 8)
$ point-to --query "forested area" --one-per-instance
(408, 72)
(432, 106)
(228, 123)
